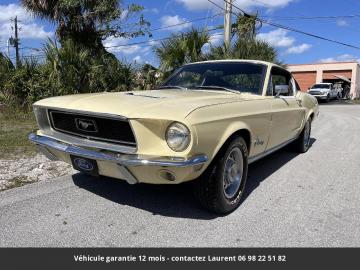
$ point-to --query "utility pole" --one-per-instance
(16, 43)
(227, 23)
(8, 47)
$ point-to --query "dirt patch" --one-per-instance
(23, 170)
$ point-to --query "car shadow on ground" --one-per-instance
(175, 200)
(336, 102)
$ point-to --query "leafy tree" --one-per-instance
(88, 22)
(246, 26)
(7, 69)
(181, 49)
(72, 70)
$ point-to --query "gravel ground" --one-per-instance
(23, 170)
(306, 200)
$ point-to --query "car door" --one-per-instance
(287, 113)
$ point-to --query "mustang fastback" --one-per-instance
(205, 123)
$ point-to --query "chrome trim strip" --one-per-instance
(270, 151)
(90, 113)
(126, 160)
(47, 153)
(83, 142)
(129, 177)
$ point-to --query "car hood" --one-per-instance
(158, 104)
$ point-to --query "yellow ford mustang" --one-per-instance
(206, 123)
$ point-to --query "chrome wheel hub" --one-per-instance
(233, 172)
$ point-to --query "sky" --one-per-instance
(293, 48)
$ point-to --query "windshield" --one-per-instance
(321, 86)
(231, 76)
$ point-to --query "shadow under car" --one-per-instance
(176, 200)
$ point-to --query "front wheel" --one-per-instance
(328, 98)
(221, 186)
(302, 143)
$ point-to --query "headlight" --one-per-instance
(177, 136)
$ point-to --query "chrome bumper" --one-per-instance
(125, 160)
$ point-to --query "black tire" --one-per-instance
(210, 187)
(327, 98)
(303, 142)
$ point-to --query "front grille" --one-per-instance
(315, 93)
(93, 127)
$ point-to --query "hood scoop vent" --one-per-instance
(140, 95)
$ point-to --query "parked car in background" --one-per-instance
(206, 123)
(324, 91)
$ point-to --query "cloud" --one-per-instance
(124, 14)
(119, 45)
(342, 23)
(245, 4)
(174, 20)
(28, 29)
(340, 58)
(138, 59)
(298, 49)
(216, 39)
(277, 38)
(8, 12)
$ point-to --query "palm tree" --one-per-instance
(246, 45)
(88, 22)
(246, 49)
(181, 49)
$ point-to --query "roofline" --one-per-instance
(253, 61)
(325, 63)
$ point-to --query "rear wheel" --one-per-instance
(221, 186)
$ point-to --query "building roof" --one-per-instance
(326, 63)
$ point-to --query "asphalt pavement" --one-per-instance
(292, 200)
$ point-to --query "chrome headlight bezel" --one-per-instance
(41, 116)
(178, 136)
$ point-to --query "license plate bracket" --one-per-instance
(85, 165)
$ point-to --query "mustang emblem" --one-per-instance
(87, 125)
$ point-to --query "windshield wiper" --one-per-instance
(214, 87)
(171, 87)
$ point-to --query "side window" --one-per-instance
(297, 85)
(280, 80)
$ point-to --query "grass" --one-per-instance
(15, 127)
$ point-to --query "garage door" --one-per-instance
(329, 75)
(305, 79)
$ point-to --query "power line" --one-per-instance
(185, 22)
(291, 28)
(157, 40)
(312, 17)
(134, 43)
(152, 30)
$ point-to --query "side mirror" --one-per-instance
(281, 89)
